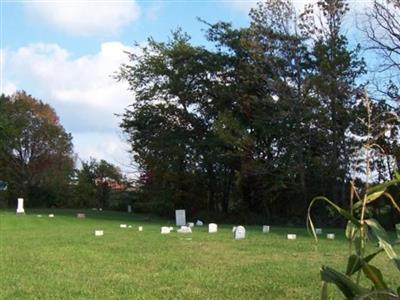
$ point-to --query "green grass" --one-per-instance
(60, 258)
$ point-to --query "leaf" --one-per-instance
(375, 275)
(384, 242)
(340, 210)
(355, 262)
(382, 186)
(350, 231)
(349, 288)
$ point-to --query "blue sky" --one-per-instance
(64, 53)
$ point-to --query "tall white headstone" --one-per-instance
(180, 217)
(212, 228)
(240, 233)
(20, 207)
(265, 228)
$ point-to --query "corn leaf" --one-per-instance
(349, 288)
(383, 239)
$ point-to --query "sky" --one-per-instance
(65, 53)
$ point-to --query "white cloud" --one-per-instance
(84, 17)
(81, 89)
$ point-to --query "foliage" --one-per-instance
(36, 156)
(361, 228)
(262, 120)
(93, 186)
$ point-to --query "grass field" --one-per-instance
(60, 258)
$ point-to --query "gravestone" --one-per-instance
(265, 228)
(51, 216)
(80, 215)
(122, 226)
(129, 226)
(140, 228)
(190, 224)
(180, 217)
(20, 207)
(165, 230)
(318, 230)
(330, 236)
(185, 229)
(212, 228)
(199, 223)
(291, 236)
(98, 232)
(240, 233)
(129, 208)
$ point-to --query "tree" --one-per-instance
(94, 183)
(382, 29)
(36, 157)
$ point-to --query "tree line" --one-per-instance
(38, 163)
(265, 117)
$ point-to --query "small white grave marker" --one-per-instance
(140, 228)
(98, 232)
(212, 228)
(129, 226)
(165, 230)
(100, 209)
(291, 236)
(80, 216)
(180, 217)
(330, 236)
(199, 223)
(240, 233)
(122, 226)
(39, 216)
(171, 228)
(20, 207)
(185, 229)
(318, 230)
(129, 208)
(190, 224)
(51, 216)
(265, 228)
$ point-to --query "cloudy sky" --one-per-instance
(66, 51)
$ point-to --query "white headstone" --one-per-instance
(171, 228)
(265, 228)
(190, 224)
(51, 216)
(330, 236)
(129, 208)
(318, 230)
(291, 236)
(39, 216)
(20, 207)
(180, 217)
(98, 232)
(185, 229)
(165, 230)
(199, 223)
(129, 226)
(240, 233)
(140, 228)
(122, 226)
(212, 228)
(100, 209)
(80, 215)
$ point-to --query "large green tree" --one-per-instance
(36, 157)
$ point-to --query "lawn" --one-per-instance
(60, 258)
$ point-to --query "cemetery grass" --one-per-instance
(60, 258)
